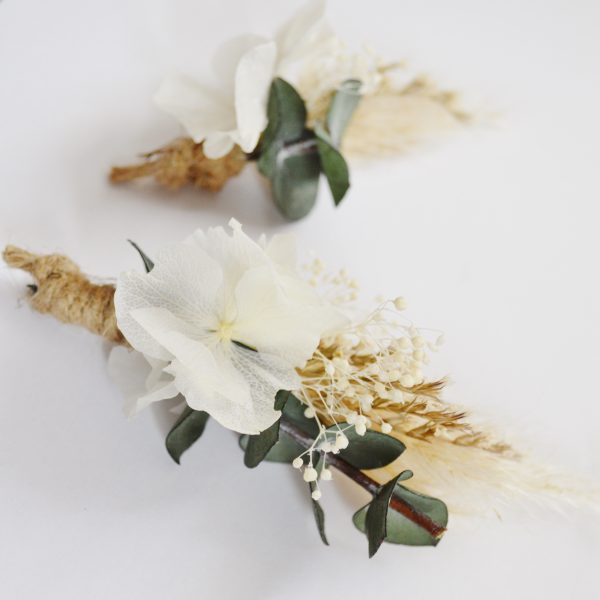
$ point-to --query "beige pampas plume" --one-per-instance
(397, 111)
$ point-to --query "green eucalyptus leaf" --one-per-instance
(319, 515)
(333, 165)
(148, 264)
(370, 451)
(282, 397)
(267, 163)
(399, 529)
(284, 451)
(286, 113)
(376, 517)
(188, 428)
(342, 106)
(257, 447)
(295, 179)
(294, 412)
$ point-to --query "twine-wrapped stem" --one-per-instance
(64, 292)
(183, 162)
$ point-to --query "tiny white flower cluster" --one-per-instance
(374, 363)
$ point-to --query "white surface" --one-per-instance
(492, 236)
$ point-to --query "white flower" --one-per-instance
(230, 318)
(235, 110)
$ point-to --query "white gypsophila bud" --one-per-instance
(351, 418)
(374, 369)
(403, 343)
(397, 396)
(418, 354)
(326, 447)
(379, 388)
(407, 381)
(310, 474)
(326, 475)
(400, 303)
(417, 375)
(418, 341)
(316, 495)
(309, 412)
(394, 375)
(360, 428)
(329, 369)
(386, 428)
(297, 462)
(340, 363)
(343, 384)
(341, 441)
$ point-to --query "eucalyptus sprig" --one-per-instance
(293, 156)
(396, 514)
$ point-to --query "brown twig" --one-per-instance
(396, 503)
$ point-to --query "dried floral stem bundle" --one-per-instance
(357, 402)
(293, 103)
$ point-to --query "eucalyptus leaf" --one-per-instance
(319, 515)
(372, 450)
(286, 113)
(295, 179)
(257, 447)
(341, 109)
(148, 264)
(284, 451)
(376, 517)
(333, 165)
(294, 412)
(399, 529)
(188, 428)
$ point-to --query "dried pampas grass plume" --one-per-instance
(355, 379)
(392, 118)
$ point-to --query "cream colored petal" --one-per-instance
(218, 144)
(275, 323)
(140, 382)
(282, 250)
(303, 35)
(200, 109)
(253, 78)
(217, 382)
(184, 282)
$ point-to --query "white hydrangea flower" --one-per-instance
(234, 111)
(231, 321)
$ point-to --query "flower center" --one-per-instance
(224, 331)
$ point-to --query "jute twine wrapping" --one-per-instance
(64, 292)
(182, 162)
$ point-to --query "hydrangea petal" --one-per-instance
(274, 322)
(200, 109)
(303, 35)
(183, 282)
(253, 78)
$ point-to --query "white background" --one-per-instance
(491, 235)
